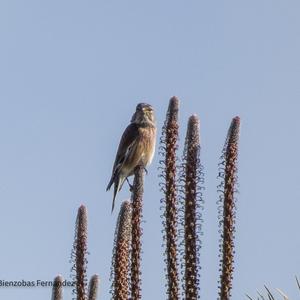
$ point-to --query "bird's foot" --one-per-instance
(130, 185)
(146, 171)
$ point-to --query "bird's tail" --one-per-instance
(114, 198)
(118, 183)
(110, 183)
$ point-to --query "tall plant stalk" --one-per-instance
(136, 232)
(191, 201)
(121, 260)
(93, 287)
(57, 289)
(79, 253)
(230, 156)
(168, 148)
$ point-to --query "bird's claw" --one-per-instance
(130, 185)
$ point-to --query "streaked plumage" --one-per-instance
(136, 147)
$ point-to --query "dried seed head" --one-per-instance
(57, 289)
(121, 259)
(191, 179)
(79, 254)
(93, 287)
(173, 109)
(124, 221)
(228, 186)
(168, 147)
(136, 232)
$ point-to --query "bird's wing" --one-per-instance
(128, 138)
(127, 141)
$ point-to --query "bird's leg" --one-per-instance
(130, 185)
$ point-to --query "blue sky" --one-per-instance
(71, 74)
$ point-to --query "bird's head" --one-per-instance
(144, 114)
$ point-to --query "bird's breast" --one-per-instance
(147, 143)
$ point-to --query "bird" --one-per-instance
(136, 147)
